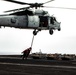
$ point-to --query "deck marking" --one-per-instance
(34, 65)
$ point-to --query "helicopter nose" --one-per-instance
(59, 22)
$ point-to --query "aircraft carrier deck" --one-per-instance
(16, 66)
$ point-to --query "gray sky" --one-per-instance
(14, 40)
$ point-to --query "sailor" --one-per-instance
(26, 53)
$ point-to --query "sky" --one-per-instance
(14, 41)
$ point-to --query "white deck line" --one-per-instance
(34, 65)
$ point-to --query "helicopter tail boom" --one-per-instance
(22, 22)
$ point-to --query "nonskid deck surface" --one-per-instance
(15, 65)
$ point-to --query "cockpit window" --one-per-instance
(52, 19)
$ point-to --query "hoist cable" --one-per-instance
(32, 42)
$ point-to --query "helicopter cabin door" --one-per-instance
(33, 21)
(43, 21)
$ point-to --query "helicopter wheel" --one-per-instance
(34, 32)
(51, 31)
(59, 29)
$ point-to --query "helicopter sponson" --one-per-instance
(35, 22)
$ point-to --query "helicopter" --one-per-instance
(27, 18)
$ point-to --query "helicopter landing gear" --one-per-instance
(36, 31)
(59, 29)
(51, 31)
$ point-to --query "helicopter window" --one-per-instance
(43, 21)
(51, 20)
(54, 18)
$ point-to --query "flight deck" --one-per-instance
(17, 66)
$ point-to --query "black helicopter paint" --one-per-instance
(26, 18)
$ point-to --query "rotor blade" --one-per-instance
(18, 2)
(48, 1)
(17, 9)
(59, 7)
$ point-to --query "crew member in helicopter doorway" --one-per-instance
(26, 53)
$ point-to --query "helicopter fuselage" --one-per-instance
(25, 18)
(29, 22)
